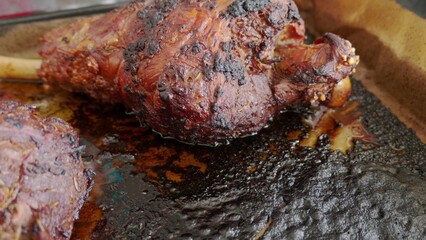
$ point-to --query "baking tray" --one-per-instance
(264, 186)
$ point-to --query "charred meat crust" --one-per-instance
(242, 7)
(43, 183)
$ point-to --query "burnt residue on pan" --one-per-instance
(260, 186)
(163, 189)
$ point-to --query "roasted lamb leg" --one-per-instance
(202, 72)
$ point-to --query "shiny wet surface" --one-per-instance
(148, 187)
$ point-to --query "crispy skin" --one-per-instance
(43, 183)
(202, 72)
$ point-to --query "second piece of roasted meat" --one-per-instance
(43, 182)
(201, 72)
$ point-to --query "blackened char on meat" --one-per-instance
(43, 183)
(166, 59)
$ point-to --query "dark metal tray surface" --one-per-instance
(265, 185)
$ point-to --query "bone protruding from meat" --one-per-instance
(17, 68)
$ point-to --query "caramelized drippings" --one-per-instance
(157, 159)
(294, 135)
(173, 176)
(340, 93)
(343, 126)
(90, 216)
(187, 159)
(321, 122)
(273, 149)
(152, 159)
(51, 104)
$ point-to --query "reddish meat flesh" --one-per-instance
(43, 183)
(202, 72)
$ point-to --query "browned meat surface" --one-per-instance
(202, 72)
(43, 183)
